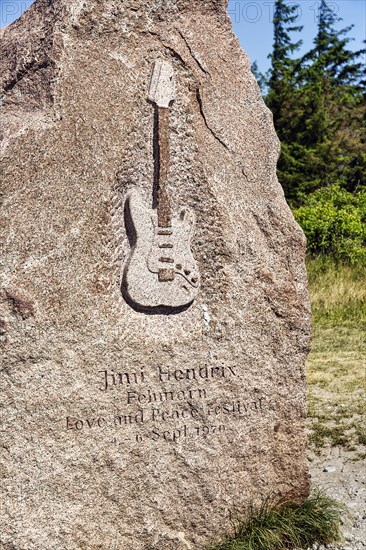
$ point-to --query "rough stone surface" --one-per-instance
(149, 463)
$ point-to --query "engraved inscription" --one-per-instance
(111, 379)
(153, 405)
(151, 396)
(171, 404)
(195, 374)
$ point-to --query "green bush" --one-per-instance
(334, 222)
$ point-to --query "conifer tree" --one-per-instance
(262, 79)
(322, 141)
(281, 73)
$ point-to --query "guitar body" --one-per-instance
(161, 271)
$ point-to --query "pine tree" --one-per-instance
(262, 79)
(282, 71)
(321, 133)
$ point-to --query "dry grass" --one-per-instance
(338, 293)
(336, 369)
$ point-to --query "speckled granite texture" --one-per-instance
(127, 429)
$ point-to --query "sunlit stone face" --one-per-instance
(127, 425)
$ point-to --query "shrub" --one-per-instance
(334, 222)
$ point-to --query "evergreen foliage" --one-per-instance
(281, 79)
(319, 107)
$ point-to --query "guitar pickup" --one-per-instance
(165, 232)
(165, 245)
(166, 275)
(166, 260)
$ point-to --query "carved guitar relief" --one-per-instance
(161, 272)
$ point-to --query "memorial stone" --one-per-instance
(154, 311)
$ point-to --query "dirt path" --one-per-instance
(342, 475)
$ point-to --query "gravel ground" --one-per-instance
(342, 476)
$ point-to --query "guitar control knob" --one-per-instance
(187, 272)
(179, 267)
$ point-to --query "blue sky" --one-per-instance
(252, 21)
(12, 9)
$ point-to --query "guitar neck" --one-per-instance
(163, 199)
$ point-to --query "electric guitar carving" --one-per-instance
(161, 271)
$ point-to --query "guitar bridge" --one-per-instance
(166, 275)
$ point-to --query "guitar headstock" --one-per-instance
(162, 84)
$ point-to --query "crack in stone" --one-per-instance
(199, 100)
(33, 66)
(192, 54)
(175, 54)
(169, 48)
(198, 93)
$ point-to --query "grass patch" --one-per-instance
(338, 292)
(336, 366)
(359, 456)
(284, 525)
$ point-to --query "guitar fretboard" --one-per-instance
(163, 199)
